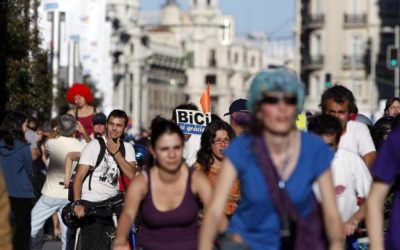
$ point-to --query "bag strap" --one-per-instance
(99, 159)
(280, 198)
(122, 150)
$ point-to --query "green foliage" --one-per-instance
(28, 81)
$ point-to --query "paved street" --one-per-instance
(52, 245)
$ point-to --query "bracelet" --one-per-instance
(116, 152)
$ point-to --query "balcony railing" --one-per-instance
(314, 21)
(312, 62)
(355, 20)
(356, 61)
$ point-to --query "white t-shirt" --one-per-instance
(104, 184)
(351, 179)
(357, 139)
(192, 145)
(58, 148)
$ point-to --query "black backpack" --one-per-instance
(91, 169)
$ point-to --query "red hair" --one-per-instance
(79, 89)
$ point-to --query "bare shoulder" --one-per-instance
(199, 180)
(138, 185)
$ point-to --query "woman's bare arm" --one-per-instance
(136, 192)
(215, 211)
(375, 203)
(333, 224)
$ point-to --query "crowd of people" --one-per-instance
(255, 182)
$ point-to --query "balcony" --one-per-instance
(312, 62)
(349, 62)
(314, 21)
(354, 20)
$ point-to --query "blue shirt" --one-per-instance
(255, 219)
(387, 169)
(17, 169)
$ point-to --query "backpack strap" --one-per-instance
(99, 159)
(122, 150)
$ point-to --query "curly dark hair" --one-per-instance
(339, 94)
(11, 128)
(205, 155)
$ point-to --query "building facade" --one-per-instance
(337, 42)
(178, 52)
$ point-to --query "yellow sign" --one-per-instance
(301, 122)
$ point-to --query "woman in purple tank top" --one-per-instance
(168, 196)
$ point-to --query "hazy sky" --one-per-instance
(275, 17)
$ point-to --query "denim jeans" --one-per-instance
(44, 208)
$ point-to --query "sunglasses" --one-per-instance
(289, 100)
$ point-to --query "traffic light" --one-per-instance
(392, 57)
(328, 81)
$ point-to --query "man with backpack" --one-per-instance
(96, 181)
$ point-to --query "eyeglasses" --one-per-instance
(223, 141)
(289, 100)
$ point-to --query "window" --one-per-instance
(212, 79)
(190, 59)
(253, 61)
(357, 48)
(356, 6)
(357, 88)
(130, 92)
(318, 7)
(132, 48)
(316, 45)
(317, 87)
(212, 61)
(236, 57)
(214, 104)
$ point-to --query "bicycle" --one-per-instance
(105, 209)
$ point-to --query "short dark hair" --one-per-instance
(186, 106)
(338, 94)
(118, 114)
(325, 124)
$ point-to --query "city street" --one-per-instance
(52, 244)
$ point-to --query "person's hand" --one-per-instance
(112, 146)
(120, 245)
(350, 227)
(80, 128)
(79, 211)
(66, 181)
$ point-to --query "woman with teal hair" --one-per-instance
(277, 166)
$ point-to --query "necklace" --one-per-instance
(285, 163)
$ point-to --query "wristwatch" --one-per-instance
(77, 202)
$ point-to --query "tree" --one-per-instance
(26, 76)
